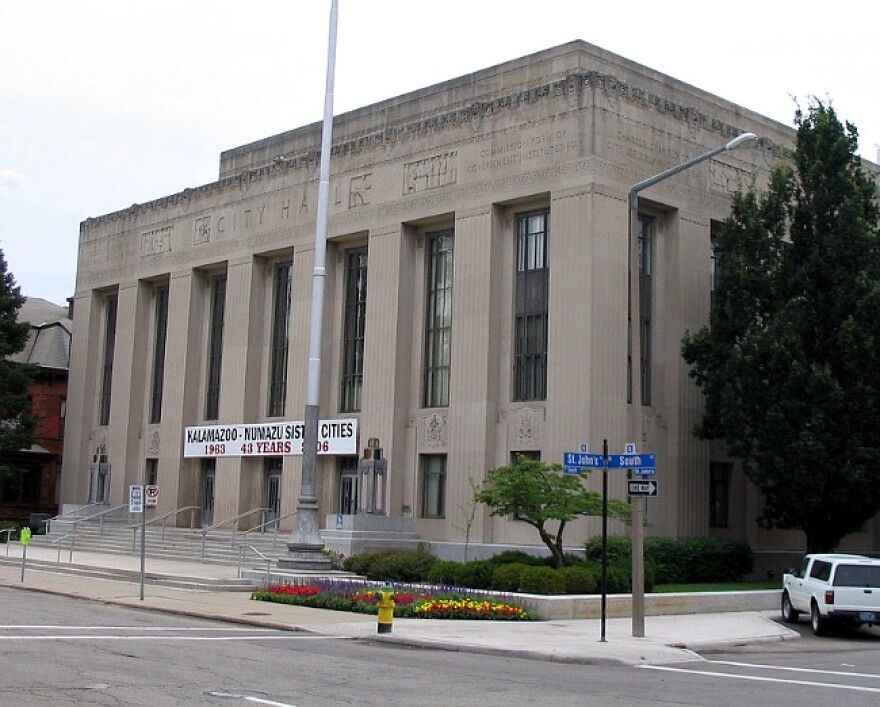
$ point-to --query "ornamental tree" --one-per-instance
(790, 364)
(538, 494)
(16, 422)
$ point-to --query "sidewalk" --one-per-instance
(667, 639)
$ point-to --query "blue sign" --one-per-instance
(631, 461)
(581, 460)
(576, 462)
(638, 464)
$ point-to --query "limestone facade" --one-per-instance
(561, 135)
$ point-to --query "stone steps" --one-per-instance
(177, 544)
(219, 584)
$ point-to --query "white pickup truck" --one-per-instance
(833, 588)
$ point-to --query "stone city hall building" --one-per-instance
(476, 308)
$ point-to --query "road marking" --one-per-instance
(268, 702)
(60, 627)
(757, 678)
(65, 637)
(873, 676)
(248, 698)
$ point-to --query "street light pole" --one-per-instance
(635, 372)
(305, 544)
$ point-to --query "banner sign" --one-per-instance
(269, 439)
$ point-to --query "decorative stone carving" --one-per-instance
(430, 173)
(202, 230)
(434, 431)
(525, 427)
(359, 191)
(156, 241)
(154, 442)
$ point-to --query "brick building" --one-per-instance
(34, 495)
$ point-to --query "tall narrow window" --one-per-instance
(531, 308)
(354, 327)
(646, 293)
(714, 259)
(433, 485)
(110, 306)
(151, 472)
(160, 333)
(280, 338)
(646, 299)
(215, 346)
(719, 494)
(438, 319)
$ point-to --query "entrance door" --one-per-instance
(273, 493)
(208, 493)
(348, 485)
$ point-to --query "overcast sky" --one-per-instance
(107, 103)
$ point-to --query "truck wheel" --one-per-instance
(789, 614)
(817, 621)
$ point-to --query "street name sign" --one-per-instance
(631, 461)
(573, 462)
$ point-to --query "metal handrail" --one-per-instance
(9, 532)
(241, 550)
(59, 542)
(223, 523)
(276, 521)
(76, 521)
(65, 516)
(164, 517)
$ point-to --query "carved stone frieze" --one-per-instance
(202, 230)
(525, 427)
(433, 432)
(156, 241)
(154, 442)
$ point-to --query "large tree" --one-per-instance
(538, 493)
(790, 364)
(16, 420)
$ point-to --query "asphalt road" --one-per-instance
(62, 651)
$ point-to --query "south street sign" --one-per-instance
(631, 461)
(641, 488)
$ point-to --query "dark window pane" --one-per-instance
(280, 340)
(354, 327)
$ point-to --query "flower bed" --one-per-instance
(410, 601)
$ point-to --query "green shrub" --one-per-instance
(445, 572)
(580, 579)
(509, 557)
(572, 560)
(476, 574)
(393, 565)
(506, 578)
(671, 559)
(541, 580)
(718, 559)
(683, 560)
(619, 579)
(619, 549)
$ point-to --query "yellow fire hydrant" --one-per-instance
(386, 608)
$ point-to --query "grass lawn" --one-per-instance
(718, 587)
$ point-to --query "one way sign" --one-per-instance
(641, 488)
